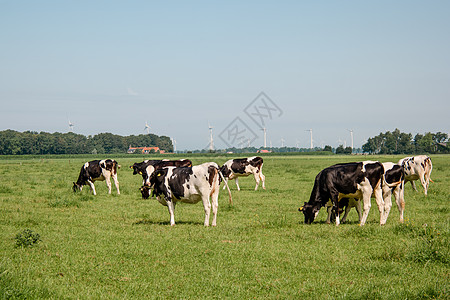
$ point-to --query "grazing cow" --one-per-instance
(98, 170)
(234, 168)
(187, 184)
(350, 180)
(147, 167)
(417, 167)
(392, 184)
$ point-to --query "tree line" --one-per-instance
(31, 142)
(397, 142)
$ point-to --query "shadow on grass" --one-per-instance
(153, 222)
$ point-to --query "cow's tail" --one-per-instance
(226, 184)
(428, 168)
(391, 185)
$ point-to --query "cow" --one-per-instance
(189, 185)
(349, 180)
(417, 167)
(98, 170)
(147, 167)
(235, 168)
(392, 183)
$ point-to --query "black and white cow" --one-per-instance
(98, 170)
(417, 168)
(350, 180)
(392, 183)
(187, 184)
(147, 167)
(235, 168)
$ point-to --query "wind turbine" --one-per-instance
(147, 127)
(351, 136)
(282, 142)
(211, 141)
(311, 139)
(71, 126)
(174, 143)
(265, 136)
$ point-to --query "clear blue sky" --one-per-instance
(110, 66)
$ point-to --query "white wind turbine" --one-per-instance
(351, 136)
(174, 143)
(265, 136)
(282, 142)
(147, 127)
(211, 140)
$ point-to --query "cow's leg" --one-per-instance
(366, 205)
(207, 207)
(424, 184)
(256, 176)
(237, 183)
(171, 207)
(335, 201)
(263, 179)
(387, 198)
(400, 199)
(378, 193)
(329, 208)
(91, 184)
(107, 176)
(215, 205)
(413, 185)
(347, 210)
(358, 209)
(116, 183)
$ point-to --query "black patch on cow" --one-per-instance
(93, 170)
(394, 175)
(374, 171)
(212, 171)
(225, 171)
(256, 162)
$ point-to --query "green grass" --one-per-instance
(121, 247)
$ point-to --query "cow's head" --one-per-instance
(145, 191)
(76, 187)
(156, 181)
(310, 211)
(136, 169)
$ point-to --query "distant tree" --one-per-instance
(340, 149)
(348, 150)
(328, 148)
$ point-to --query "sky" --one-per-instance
(237, 66)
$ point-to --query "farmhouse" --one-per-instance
(144, 150)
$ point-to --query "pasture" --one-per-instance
(121, 247)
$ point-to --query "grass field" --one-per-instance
(121, 247)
